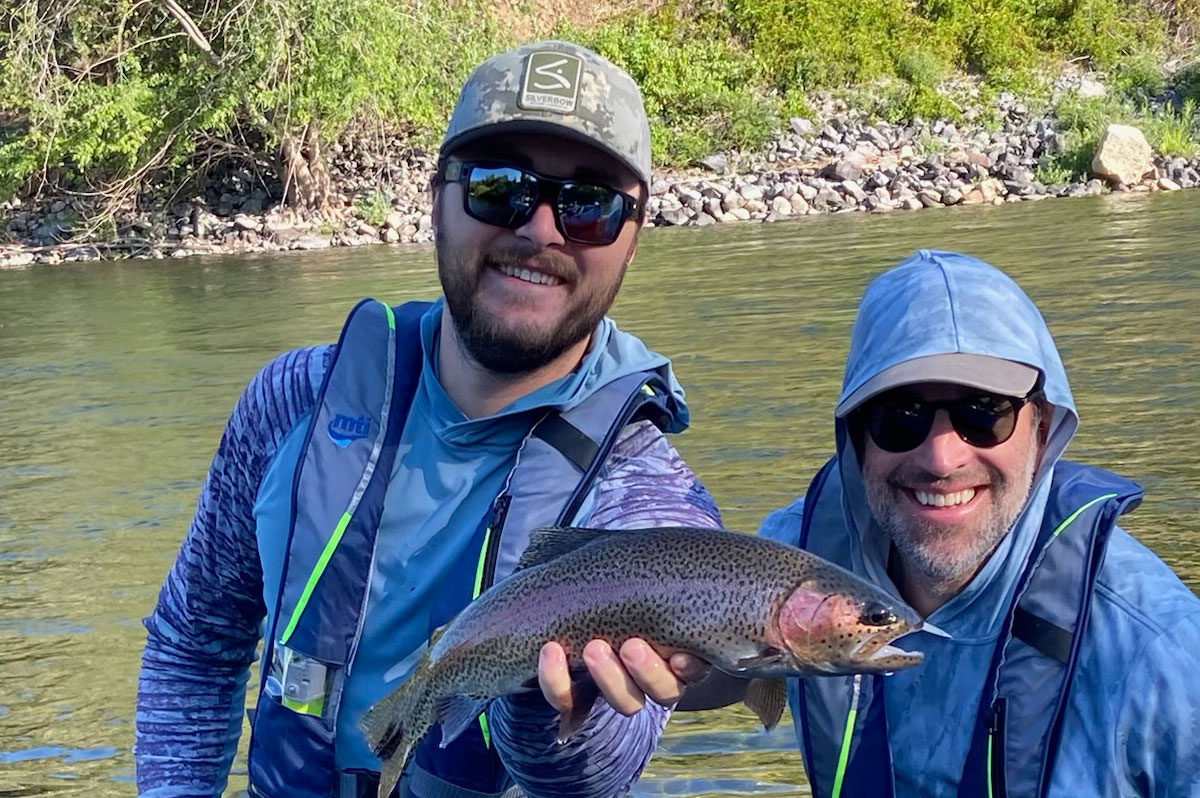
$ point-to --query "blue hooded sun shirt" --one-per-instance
(1144, 620)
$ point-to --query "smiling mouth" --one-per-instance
(930, 499)
(528, 275)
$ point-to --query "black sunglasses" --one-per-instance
(898, 421)
(507, 196)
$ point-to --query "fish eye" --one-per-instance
(876, 614)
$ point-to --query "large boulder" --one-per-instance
(1123, 155)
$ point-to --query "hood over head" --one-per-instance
(947, 317)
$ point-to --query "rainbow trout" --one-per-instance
(753, 608)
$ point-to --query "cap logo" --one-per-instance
(551, 82)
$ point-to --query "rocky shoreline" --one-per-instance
(842, 164)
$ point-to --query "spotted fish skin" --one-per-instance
(740, 602)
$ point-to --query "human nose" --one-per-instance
(541, 229)
(943, 451)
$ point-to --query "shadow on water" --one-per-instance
(116, 378)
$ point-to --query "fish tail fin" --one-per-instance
(394, 726)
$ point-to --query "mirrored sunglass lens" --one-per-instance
(590, 214)
(501, 195)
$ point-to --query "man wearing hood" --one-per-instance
(1068, 660)
(364, 493)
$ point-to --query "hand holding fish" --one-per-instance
(756, 610)
(625, 679)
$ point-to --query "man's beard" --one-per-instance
(916, 539)
(502, 348)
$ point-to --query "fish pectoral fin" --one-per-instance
(772, 656)
(583, 695)
(767, 697)
(456, 713)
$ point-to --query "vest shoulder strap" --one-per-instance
(561, 459)
(1026, 692)
(343, 474)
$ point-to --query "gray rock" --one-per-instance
(952, 197)
(802, 127)
(715, 163)
(1168, 185)
(703, 220)
(911, 204)
(854, 190)
(799, 204)
(781, 206)
(678, 216)
(848, 168)
(246, 223)
(930, 198)
(1089, 88)
(750, 192)
(1123, 155)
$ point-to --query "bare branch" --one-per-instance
(191, 29)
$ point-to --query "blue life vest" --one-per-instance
(338, 493)
(1019, 722)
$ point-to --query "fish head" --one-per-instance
(839, 624)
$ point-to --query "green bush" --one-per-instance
(698, 84)
(112, 93)
(1175, 134)
(111, 89)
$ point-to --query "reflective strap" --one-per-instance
(989, 764)
(487, 537)
(330, 546)
(847, 738)
(1074, 515)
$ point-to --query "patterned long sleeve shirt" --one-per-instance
(205, 629)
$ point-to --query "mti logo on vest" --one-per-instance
(344, 430)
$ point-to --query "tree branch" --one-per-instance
(192, 30)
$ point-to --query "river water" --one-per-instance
(116, 379)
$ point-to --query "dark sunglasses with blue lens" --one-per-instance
(505, 195)
(900, 421)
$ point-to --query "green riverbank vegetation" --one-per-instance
(111, 98)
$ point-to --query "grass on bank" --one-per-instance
(113, 94)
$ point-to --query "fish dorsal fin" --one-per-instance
(767, 697)
(456, 713)
(549, 542)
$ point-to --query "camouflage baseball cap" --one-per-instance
(560, 89)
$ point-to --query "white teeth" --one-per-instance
(944, 499)
(529, 276)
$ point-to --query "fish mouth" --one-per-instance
(878, 650)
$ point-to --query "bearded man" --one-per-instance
(1066, 667)
(364, 493)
